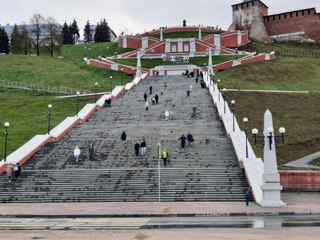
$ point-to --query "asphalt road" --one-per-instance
(254, 222)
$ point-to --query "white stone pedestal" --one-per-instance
(271, 189)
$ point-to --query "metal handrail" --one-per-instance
(247, 196)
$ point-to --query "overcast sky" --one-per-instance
(137, 15)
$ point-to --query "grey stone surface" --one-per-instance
(207, 172)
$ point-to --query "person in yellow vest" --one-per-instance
(165, 156)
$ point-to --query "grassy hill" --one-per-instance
(298, 113)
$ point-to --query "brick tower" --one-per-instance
(249, 15)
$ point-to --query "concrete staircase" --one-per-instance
(207, 172)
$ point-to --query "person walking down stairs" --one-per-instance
(76, 153)
(164, 156)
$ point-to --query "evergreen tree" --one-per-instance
(75, 31)
(16, 46)
(25, 39)
(102, 33)
(67, 34)
(4, 41)
(87, 32)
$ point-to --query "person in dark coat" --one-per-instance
(145, 96)
(197, 79)
(153, 100)
(188, 93)
(17, 171)
(91, 152)
(190, 140)
(137, 148)
(123, 137)
(156, 98)
(183, 141)
(150, 88)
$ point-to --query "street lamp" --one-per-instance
(115, 57)
(78, 93)
(245, 120)
(49, 118)
(89, 52)
(96, 89)
(224, 99)
(233, 102)
(85, 51)
(110, 82)
(6, 133)
(218, 84)
(236, 53)
(270, 130)
(121, 76)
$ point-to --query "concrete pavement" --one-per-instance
(303, 203)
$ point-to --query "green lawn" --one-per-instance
(198, 61)
(27, 114)
(58, 72)
(182, 35)
(298, 113)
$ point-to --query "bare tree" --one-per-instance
(54, 36)
(37, 21)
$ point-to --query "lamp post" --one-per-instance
(270, 130)
(96, 90)
(218, 84)
(233, 102)
(6, 133)
(224, 100)
(115, 57)
(78, 93)
(85, 51)
(236, 53)
(245, 120)
(49, 118)
(121, 76)
(89, 52)
(110, 82)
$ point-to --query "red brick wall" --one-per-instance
(307, 20)
(300, 180)
(133, 43)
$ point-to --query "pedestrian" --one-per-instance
(91, 151)
(183, 141)
(156, 98)
(188, 93)
(137, 148)
(171, 115)
(165, 85)
(145, 96)
(167, 114)
(197, 79)
(147, 105)
(17, 171)
(76, 153)
(143, 147)
(190, 140)
(164, 156)
(153, 100)
(123, 137)
(9, 172)
(150, 88)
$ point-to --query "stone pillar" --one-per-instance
(161, 34)
(138, 72)
(200, 36)
(210, 71)
(270, 187)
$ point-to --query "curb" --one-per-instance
(156, 215)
